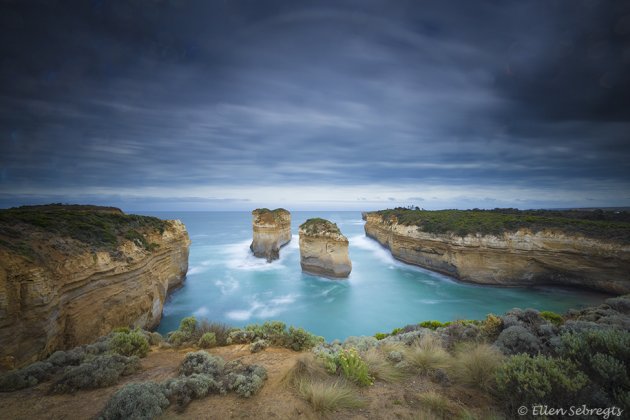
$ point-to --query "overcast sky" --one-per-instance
(174, 105)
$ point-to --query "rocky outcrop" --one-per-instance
(272, 230)
(519, 258)
(323, 249)
(69, 274)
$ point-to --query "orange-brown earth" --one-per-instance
(274, 401)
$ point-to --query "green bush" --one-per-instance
(188, 326)
(245, 380)
(186, 388)
(207, 340)
(99, 372)
(241, 337)
(381, 336)
(202, 362)
(491, 326)
(137, 401)
(552, 317)
(258, 345)
(433, 325)
(300, 339)
(177, 338)
(354, 368)
(526, 380)
(26, 377)
(604, 355)
(132, 343)
(517, 339)
(220, 331)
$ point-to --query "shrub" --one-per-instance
(99, 372)
(427, 355)
(361, 343)
(207, 340)
(188, 326)
(184, 389)
(475, 365)
(491, 326)
(177, 338)
(552, 317)
(380, 336)
(221, 331)
(517, 339)
(299, 339)
(526, 380)
(620, 304)
(433, 325)
(202, 362)
(67, 358)
(154, 338)
(240, 337)
(132, 343)
(327, 396)
(26, 377)
(354, 367)
(258, 345)
(138, 401)
(604, 356)
(245, 380)
(380, 368)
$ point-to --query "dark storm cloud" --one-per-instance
(173, 94)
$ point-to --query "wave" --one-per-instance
(259, 309)
(227, 285)
(201, 312)
(240, 257)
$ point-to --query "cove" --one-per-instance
(226, 283)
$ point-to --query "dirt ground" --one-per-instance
(274, 401)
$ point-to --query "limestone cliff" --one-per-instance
(518, 258)
(323, 249)
(271, 231)
(69, 274)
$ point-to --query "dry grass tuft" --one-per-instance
(427, 355)
(439, 405)
(475, 365)
(327, 395)
(380, 368)
(307, 366)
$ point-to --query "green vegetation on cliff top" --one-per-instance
(318, 225)
(610, 225)
(102, 228)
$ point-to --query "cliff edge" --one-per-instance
(323, 249)
(271, 231)
(511, 248)
(69, 274)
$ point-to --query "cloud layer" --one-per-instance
(229, 105)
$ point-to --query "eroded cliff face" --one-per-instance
(521, 258)
(57, 292)
(324, 250)
(271, 231)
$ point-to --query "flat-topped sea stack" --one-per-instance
(323, 249)
(587, 249)
(272, 230)
(69, 274)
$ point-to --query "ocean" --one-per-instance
(227, 284)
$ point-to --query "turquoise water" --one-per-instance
(225, 283)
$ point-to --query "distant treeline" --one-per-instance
(601, 224)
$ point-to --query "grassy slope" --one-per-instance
(611, 225)
(101, 228)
